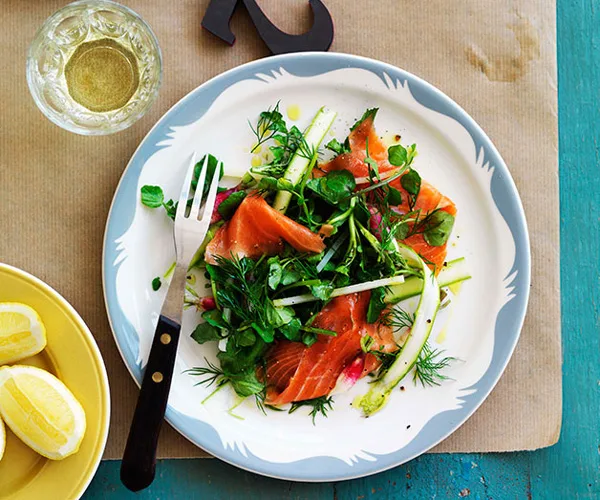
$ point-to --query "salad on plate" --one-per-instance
(310, 262)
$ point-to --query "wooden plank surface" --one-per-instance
(570, 469)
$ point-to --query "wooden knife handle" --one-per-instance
(139, 460)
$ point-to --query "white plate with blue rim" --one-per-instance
(480, 329)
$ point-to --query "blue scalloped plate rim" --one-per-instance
(509, 321)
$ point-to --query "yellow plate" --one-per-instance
(73, 356)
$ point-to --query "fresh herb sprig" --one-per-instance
(154, 197)
(318, 406)
(398, 318)
(429, 366)
(271, 126)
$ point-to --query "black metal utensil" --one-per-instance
(318, 38)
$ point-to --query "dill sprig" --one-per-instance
(286, 142)
(319, 406)
(244, 384)
(397, 318)
(269, 124)
(242, 289)
(212, 374)
(429, 366)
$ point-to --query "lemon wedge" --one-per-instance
(2, 439)
(41, 411)
(22, 333)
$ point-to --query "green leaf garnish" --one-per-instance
(429, 366)
(394, 197)
(230, 204)
(334, 187)
(323, 290)
(369, 113)
(411, 182)
(337, 147)
(438, 227)
(156, 283)
(291, 330)
(397, 155)
(319, 406)
(215, 318)
(213, 163)
(152, 196)
(275, 273)
(376, 304)
(205, 332)
(171, 208)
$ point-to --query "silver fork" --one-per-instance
(139, 460)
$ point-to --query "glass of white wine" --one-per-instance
(94, 67)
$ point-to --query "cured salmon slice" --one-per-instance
(295, 372)
(428, 199)
(362, 135)
(257, 229)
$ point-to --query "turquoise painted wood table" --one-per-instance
(570, 469)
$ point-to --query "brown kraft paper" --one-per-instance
(496, 59)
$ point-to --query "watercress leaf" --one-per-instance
(278, 153)
(394, 197)
(290, 276)
(214, 318)
(275, 273)
(171, 208)
(205, 332)
(401, 230)
(340, 182)
(397, 155)
(230, 204)
(275, 120)
(323, 290)
(291, 330)
(236, 360)
(438, 228)
(411, 182)
(278, 316)
(245, 338)
(152, 196)
(330, 266)
(266, 332)
(156, 283)
(335, 187)
(376, 304)
(213, 163)
(336, 147)
(247, 384)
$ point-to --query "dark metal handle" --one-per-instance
(139, 460)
